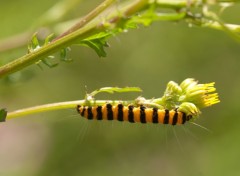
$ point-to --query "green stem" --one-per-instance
(43, 108)
(60, 105)
(216, 25)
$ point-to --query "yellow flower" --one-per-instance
(202, 95)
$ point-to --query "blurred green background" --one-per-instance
(62, 143)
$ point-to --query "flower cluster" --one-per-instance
(189, 96)
(202, 95)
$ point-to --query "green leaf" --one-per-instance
(34, 41)
(48, 39)
(3, 115)
(47, 62)
(120, 90)
(97, 42)
(116, 89)
(33, 44)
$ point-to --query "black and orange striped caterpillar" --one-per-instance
(133, 114)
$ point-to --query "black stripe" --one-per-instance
(120, 112)
(155, 115)
(99, 113)
(184, 118)
(166, 117)
(142, 114)
(130, 114)
(175, 118)
(90, 114)
(109, 112)
(78, 108)
(83, 110)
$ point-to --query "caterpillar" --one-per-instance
(133, 114)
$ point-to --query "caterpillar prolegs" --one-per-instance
(133, 114)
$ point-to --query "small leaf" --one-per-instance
(97, 46)
(47, 62)
(120, 90)
(33, 44)
(63, 54)
(47, 39)
(3, 115)
(100, 36)
(116, 89)
(34, 41)
(97, 42)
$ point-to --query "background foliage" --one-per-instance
(62, 143)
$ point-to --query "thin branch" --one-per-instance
(43, 108)
(86, 19)
(58, 106)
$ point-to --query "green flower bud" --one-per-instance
(189, 109)
(171, 95)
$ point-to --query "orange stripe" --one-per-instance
(149, 114)
(136, 114)
(94, 111)
(179, 121)
(161, 114)
(104, 112)
(115, 112)
(171, 114)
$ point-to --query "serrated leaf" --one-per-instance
(101, 35)
(3, 115)
(97, 46)
(97, 42)
(116, 89)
